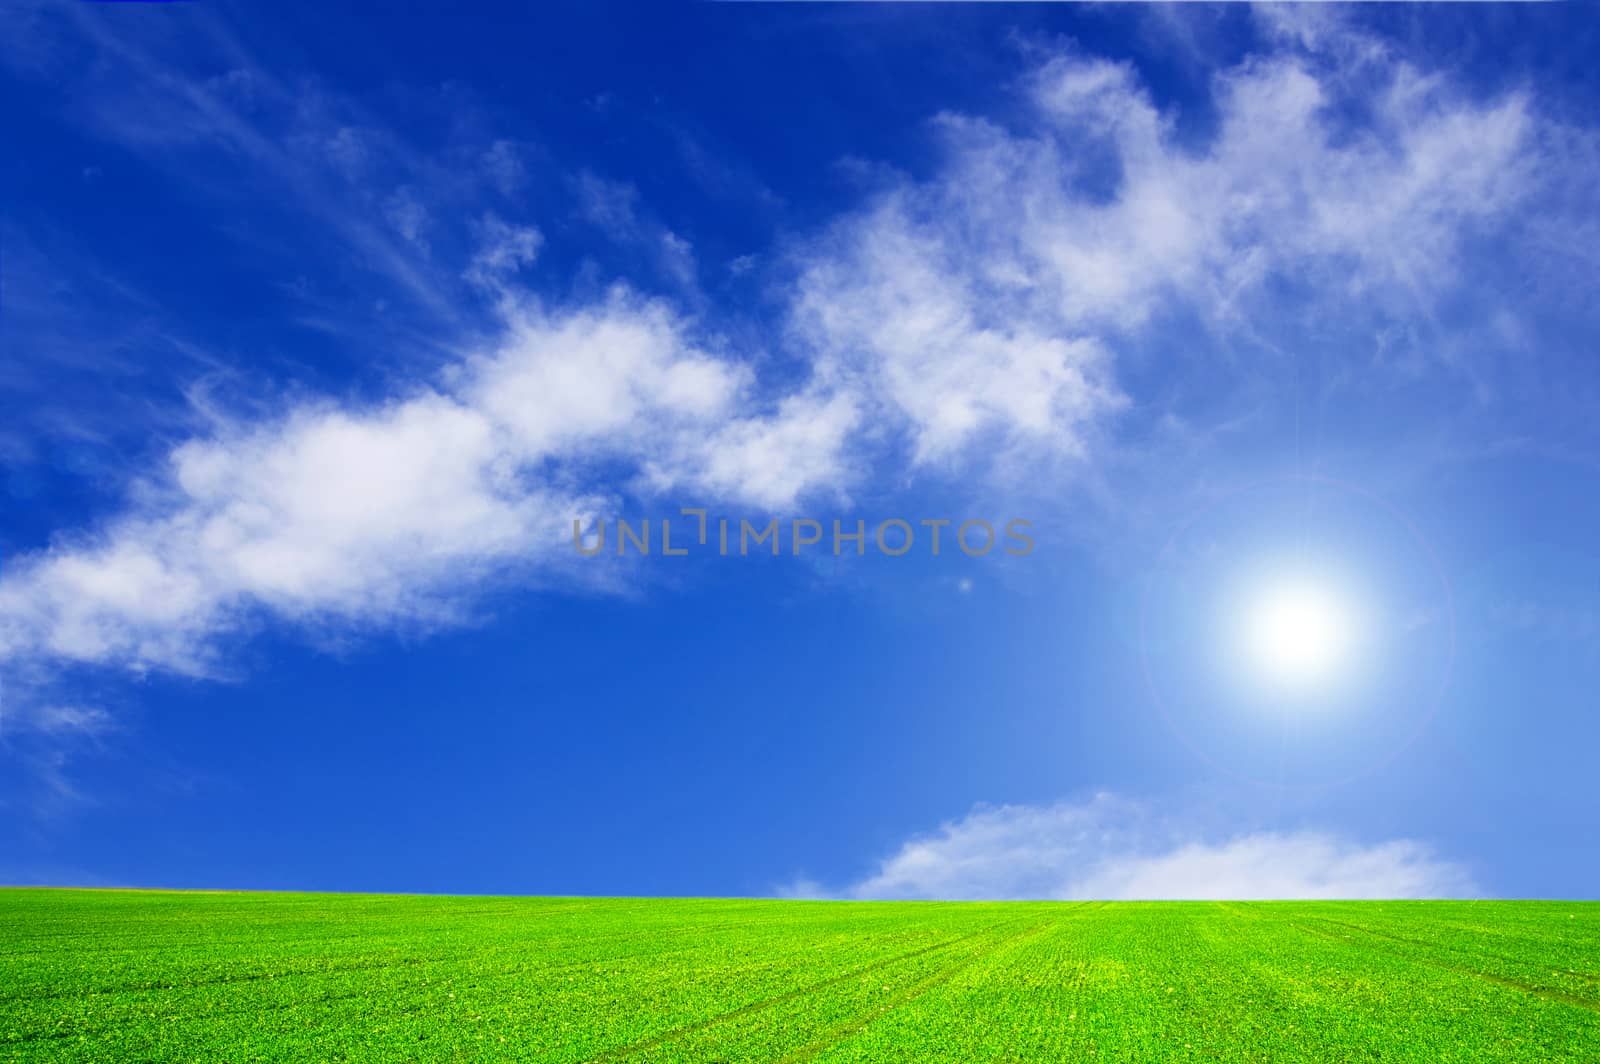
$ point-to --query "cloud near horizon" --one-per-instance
(1109, 848)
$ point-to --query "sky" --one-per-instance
(1263, 339)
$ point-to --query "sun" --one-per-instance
(1298, 633)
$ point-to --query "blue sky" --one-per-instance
(317, 333)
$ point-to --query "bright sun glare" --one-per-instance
(1299, 633)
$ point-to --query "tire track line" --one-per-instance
(1587, 977)
(851, 1027)
(675, 1033)
(1509, 983)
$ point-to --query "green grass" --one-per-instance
(111, 976)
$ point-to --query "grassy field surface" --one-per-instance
(112, 976)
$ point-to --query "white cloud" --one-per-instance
(503, 250)
(329, 513)
(67, 720)
(617, 377)
(399, 511)
(611, 205)
(613, 208)
(409, 217)
(772, 460)
(503, 163)
(1275, 865)
(989, 303)
(912, 330)
(1111, 848)
(677, 258)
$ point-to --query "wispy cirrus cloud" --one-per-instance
(995, 300)
(613, 208)
(988, 308)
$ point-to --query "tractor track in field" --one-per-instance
(644, 1045)
(313, 974)
(254, 1008)
(216, 980)
(400, 962)
(20, 948)
(1588, 977)
(845, 1030)
(643, 932)
(273, 977)
(276, 1006)
(1547, 993)
(684, 980)
(188, 1018)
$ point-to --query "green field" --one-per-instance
(108, 976)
